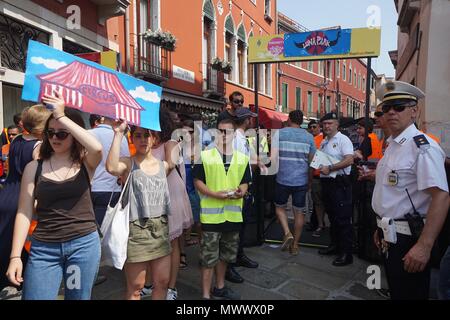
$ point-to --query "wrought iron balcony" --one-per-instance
(213, 82)
(153, 62)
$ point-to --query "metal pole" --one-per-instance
(259, 213)
(369, 73)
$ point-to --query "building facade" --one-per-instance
(422, 59)
(78, 28)
(205, 30)
(318, 87)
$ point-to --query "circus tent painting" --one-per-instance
(90, 87)
(92, 90)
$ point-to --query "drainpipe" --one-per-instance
(127, 41)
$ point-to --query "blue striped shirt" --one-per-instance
(295, 145)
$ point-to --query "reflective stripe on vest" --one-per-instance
(215, 211)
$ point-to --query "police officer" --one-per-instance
(413, 165)
(337, 190)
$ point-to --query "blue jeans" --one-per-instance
(77, 261)
(444, 277)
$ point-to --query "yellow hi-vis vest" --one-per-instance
(215, 211)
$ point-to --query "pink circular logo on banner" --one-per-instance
(276, 46)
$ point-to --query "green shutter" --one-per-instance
(229, 26)
(241, 33)
(298, 99)
(208, 10)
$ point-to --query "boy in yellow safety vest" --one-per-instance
(222, 180)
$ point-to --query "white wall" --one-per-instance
(438, 74)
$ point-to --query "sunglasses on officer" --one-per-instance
(60, 135)
(398, 107)
(238, 101)
(379, 114)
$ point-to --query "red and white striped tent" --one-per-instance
(92, 90)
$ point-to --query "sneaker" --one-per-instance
(146, 291)
(172, 294)
(318, 232)
(225, 293)
(294, 249)
(287, 240)
(384, 293)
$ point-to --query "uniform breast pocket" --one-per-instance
(405, 177)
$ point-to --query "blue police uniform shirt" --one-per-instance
(295, 145)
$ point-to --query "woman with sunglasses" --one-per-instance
(147, 191)
(22, 150)
(65, 243)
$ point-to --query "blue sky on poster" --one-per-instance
(319, 14)
(43, 59)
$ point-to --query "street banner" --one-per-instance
(315, 45)
(90, 87)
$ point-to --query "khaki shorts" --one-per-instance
(148, 239)
(218, 245)
(316, 193)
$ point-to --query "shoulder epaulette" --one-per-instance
(421, 141)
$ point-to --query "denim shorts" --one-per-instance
(283, 192)
(195, 205)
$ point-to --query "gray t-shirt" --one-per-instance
(149, 194)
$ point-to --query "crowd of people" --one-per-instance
(61, 179)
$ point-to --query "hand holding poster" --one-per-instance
(90, 87)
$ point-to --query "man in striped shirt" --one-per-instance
(294, 177)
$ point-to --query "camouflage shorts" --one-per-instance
(218, 245)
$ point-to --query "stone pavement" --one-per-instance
(280, 276)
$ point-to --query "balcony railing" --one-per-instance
(213, 82)
(153, 62)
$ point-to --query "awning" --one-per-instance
(191, 100)
(270, 119)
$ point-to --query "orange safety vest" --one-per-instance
(377, 146)
(33, 226)
(131, 146)
(317, 141)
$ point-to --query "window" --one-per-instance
(310, 103)
(250, 71)
(350, 74)
(364, 84)
(328, 104)
(321, 68)
(338, 68)
(354, 79)
(298, 98)
(344, 71)
(328, 69)
(348, 108)
(319, 103)
(268, 78)
(228, 52)
(284, 96)
(310, 66)
(359, 81)
(240, 55)
(267, 8)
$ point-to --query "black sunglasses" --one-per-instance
(139, 135)
(238, 101)
(12, 134)
(313, 126)
(60, 135)
(379, 114)
(397, 107)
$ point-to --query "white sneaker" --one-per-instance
(146, 291)
(172, 294)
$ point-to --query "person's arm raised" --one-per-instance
(114, 164)
(87, 140)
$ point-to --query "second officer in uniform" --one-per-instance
(411, 194)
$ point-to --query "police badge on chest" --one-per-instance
(392, 178)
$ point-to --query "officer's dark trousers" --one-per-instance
(404, 285)
(337, 199)
(247, 214)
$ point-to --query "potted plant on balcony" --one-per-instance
(165, 39)
(221, 65)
